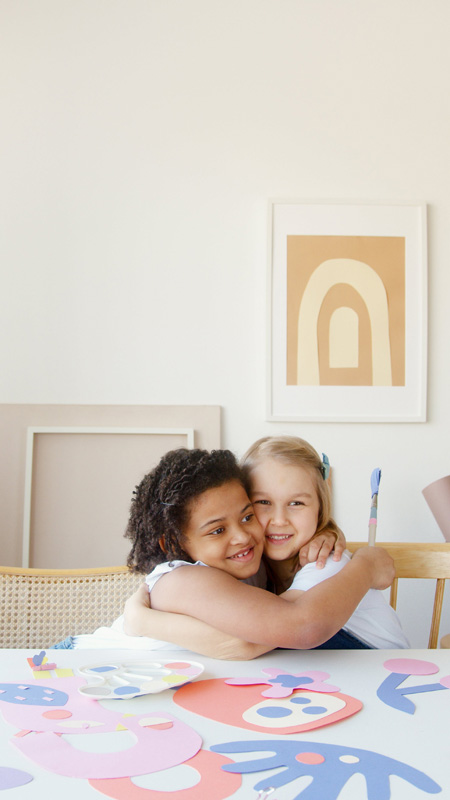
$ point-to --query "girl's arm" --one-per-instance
(186, 632)
(255, 615)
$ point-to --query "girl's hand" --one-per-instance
(381, 564)
(320, 546)
(134, 606)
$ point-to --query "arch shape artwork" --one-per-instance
(370, 287)
(343, 335)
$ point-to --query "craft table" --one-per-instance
(326, 760)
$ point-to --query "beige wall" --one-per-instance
(140, 143)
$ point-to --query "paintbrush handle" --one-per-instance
(373, 520)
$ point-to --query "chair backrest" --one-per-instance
(418, 560)
(40, 607)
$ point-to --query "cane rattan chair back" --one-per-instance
(39, 607)
(418, 560)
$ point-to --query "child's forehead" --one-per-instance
(230, 492)
(280, 470)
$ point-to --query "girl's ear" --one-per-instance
(162, 543)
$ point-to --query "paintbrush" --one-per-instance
(374, 485)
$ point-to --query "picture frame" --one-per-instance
(347, 311)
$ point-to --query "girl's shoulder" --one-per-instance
(168, 566)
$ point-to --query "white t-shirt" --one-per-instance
(374, 621)
(114, 637)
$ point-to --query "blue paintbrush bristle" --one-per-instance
(375, 481)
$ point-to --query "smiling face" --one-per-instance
(286, 504)
(223, 531)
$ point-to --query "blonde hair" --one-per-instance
(298, 453)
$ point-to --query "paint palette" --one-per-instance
(122, 681)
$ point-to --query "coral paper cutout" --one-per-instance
(243, 707)
(213, 785)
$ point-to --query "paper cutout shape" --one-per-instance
(114, 681)
(213, 783)
(159, 740)
(32, 695)
(154, 749)
(38, 659)
(10, 778)
(437, 495)
(330, 766)
(242, 707)
(402, 668)
(42, 672)
(411, 666)
(282, 684)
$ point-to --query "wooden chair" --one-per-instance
(418, 560)
(40, 607)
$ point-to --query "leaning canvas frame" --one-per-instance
(403, 223)
(189, 433)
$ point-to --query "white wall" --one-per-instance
(140, 142)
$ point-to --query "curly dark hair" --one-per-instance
(160, 504)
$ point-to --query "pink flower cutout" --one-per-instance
(282, 684)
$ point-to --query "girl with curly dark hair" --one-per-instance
(160, 523)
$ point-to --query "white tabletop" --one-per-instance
(420, 740)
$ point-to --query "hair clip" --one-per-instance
(166, 504)
(325, 469)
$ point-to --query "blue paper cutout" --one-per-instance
(32, 695)
(291, 681)
(10, 778)
(389, 693)
(38, 659)
(314, 710)
(333, 768)
(274, 712)
(103, 669)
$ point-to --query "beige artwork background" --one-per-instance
(386, 256)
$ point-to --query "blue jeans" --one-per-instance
(66, 644)
(343, 640)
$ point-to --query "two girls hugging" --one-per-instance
(243, 558)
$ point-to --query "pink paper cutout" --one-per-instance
(153, 747)
(445, 681)
(411, 666)
(11, 778)
(154, 750)
(214, 783)
(312, 680)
